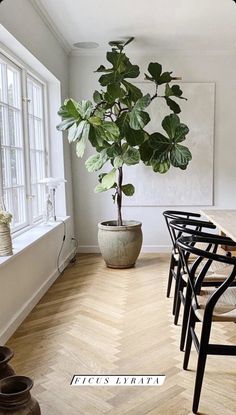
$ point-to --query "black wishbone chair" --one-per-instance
(174, 260)
(208, 305)
(175, 264)
(214, 276)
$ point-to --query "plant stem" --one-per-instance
(119, 196)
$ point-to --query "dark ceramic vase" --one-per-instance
(6, 355)
(15, 397)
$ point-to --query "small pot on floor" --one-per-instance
(15, 397)
(6, 355)
(120, 245)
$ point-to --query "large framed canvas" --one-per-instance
(193, 186)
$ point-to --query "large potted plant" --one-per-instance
(115, 125)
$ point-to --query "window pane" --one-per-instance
(11, 143)
(14, 199)
(3, 83)
(6, 165)
(39, 138)
(13, 87)
(4, 136)
(30, 96)
(35, 201)
(15, 136)
(1, 124)
(37, 98)
(37, 145)
(17, 168)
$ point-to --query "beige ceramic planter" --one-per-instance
(120, 245)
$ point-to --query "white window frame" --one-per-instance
(25, 72)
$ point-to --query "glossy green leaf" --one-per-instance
(102, 68)
(95, 120)
(71, 107)
(85, 108)
(97, 97)
(80, 147)
(177, 91)
(69, 112)
(165, 78)
(146, 151)
(155, 70)
(128, 189)
(160, 165)
(134, 92)
(138, 117)
(115, 91)
(109, 131)
(173, 105)
(170, 123)
(109, 179)
(122, 122)
(160, 143)
(65, 124)
(96, 162)
(76, 131)
(118, 162)
(180, 133)
(180, 155)
(134, 137)
(131, 156)
(113, 151)
(81, 144)
(99, 188)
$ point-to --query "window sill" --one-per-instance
(30, 237)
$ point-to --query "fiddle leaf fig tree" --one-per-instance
(115, 124)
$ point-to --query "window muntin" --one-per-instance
(23, 161)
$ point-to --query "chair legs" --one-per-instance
(170, 278)
(202, 356)
(191, 324)
(185, 317)
(180, 287)
(177, 279)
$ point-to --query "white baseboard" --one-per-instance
(94, 249)
(20, 316)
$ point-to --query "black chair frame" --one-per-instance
(203, 347)
(170, 215)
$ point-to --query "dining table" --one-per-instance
(224, 219)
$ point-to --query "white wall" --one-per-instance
(90, 208)
(26, 276)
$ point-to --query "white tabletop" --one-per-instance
(224, 219)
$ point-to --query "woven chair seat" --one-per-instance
(225, 308)
(218, 272)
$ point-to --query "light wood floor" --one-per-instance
(96, 320)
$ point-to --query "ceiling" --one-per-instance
(156, 24)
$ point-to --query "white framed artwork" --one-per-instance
(177, 187)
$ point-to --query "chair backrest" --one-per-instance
(177, 214)
(188, 244)
(191, 227)
(195, 227)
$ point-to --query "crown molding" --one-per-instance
(40, 9)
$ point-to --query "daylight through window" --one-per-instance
(23, 161)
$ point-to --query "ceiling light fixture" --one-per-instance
(86, 45)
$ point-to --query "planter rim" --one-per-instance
(7, 353)
(9, 381)
(110, 225)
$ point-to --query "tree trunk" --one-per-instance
(119, 196)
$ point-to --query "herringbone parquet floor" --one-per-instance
(96, 320)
